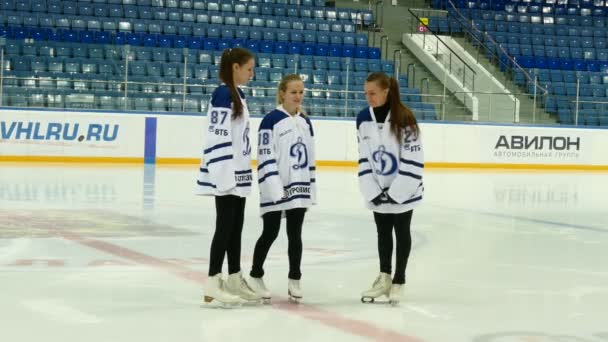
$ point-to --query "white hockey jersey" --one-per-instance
(286, 162)
(388, 166)
(226, 163)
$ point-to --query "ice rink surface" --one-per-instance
(107, 253)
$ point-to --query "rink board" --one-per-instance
(91, 136)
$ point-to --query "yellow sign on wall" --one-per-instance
(422, 25)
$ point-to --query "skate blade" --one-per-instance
(372, 300)
(368, 300)
(210, 302)
(293, 298)
(260, 301)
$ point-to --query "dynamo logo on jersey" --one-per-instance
(299, 151)
(385, 162)
(247, 149)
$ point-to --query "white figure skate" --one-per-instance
(236, 285)
(215, 293)
(294, 291)
(258, 286)
(381, 287)
(396, 294)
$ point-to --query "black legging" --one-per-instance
(272, 224)
(230, 213)
(384, 225)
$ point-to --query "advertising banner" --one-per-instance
(54, 133)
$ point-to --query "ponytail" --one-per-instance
(239, 56)
(401, 117)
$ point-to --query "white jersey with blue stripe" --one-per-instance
(286, 162)
(226, 163)
(386, 165)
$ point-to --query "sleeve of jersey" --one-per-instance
(367, 182)
(219, 152)
(269, 180)
(313, 165)
(411, 165)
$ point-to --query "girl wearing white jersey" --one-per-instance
(390, 177)
(225, 173)
(286, 175)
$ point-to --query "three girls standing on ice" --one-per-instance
(390, 178)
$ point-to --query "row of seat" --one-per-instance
(571, 89)
(158, 82)
(158, 85)
(549, 41)
(541, 29)
(561, 63)
(560, 8)
(176, 14)
(555, 75)
(585, 117)
(92, 68)
(547, 19)
(593, 118)
(543, 46)
(320, 84)
(570, 76)
(589, 54)
(58, 53)
(451, 24)
(167, 41)
(191, 103)
(27, 5)
(160, 69)
(566, 3)
(547, 51)
(155, 25)
(555, 3)
(537, 9)
(590, 111)
(152, 34)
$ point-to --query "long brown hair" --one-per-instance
(239, 56)
(282, 87)
(401, 116)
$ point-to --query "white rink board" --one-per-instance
(181, 137)
(70, 134)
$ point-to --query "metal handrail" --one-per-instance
(472, 28)
(384, 38)
(428, 29)
(1, 72)
(397, 65)
(371, 32)
(258, 87)
(423, 82)
(380, 4)
(411, 79)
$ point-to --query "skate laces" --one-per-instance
(245, 285)
(295, 284)
(260, 283)
(378, 282)
(221, 284)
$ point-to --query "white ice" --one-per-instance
(105, 253)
